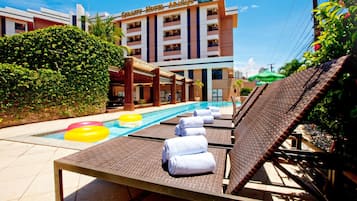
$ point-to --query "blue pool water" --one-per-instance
(149, 119)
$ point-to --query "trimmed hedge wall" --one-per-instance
(57, 72)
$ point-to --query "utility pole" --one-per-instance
(271, 67)
(316, 30)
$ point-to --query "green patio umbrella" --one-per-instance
(266, 77)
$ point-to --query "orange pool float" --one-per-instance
(84, 123)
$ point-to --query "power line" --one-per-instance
(273, 52)
(299, 36)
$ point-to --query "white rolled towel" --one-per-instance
(216, 115)
(184, 145)
(192, 164)
(213, 108)
(191, 122)
(178, 130)
(203, 112)
(208, 119)
(192, 131)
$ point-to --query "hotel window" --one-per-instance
(217, 95)
(136, 51)
(172, 18)
(217, 74)
(212, 11)
(134, 38)
(212, 43)
(212, 27)
(19, 27)
(134, 25)
(182, 73)
(172, 47)
(175, 32)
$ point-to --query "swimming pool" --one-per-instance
(149, 119)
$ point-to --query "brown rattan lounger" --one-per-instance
(215, 137)
(257, 91)
(217, 123)
(136, 162)
(247, 104)
(222, 117)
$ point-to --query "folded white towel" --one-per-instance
(191, 122)
(207, 119)
(192, 164)
(192, 131)
(216, 115)
(178, 130)
(203, 112)
(183, 146)
(213, 109)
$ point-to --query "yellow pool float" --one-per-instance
(87, 134)
(130, 120)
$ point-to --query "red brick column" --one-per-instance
(156, 87)
(173, 89)
(183, 90)
(129, 85)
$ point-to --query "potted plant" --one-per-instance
(236, 86)
(244, 93)
(199, 84)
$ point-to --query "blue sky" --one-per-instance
(269, 32)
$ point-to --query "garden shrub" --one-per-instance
(337, 111)
(59, 66)
(245, 91)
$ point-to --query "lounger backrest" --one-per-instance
(247, 104)
(274, 116)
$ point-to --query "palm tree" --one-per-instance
(199, 84)
(105, 29)
(237, 85)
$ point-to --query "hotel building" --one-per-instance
(14, 21)
(193, 38)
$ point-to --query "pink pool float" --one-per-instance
(84, 123)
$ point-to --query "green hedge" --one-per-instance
(60, 66)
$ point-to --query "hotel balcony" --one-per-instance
(213, 32)
(172, 52)
(172, 20)
(132, 30)
(166, 38)
(133, 43)
(212, 17)
(213, 48)
(173, 23)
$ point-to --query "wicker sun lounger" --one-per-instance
(217, 123)
(136, 162)
(247, 104)
(215, 137)
(236, 110)
(222, 117)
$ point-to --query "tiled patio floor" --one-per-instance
(26, 169)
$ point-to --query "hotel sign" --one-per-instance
(149, 9)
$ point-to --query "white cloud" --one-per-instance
(243, 9)
(248, 68)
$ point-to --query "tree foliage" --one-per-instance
(60, 66)
(291, 67)
(337, 112)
